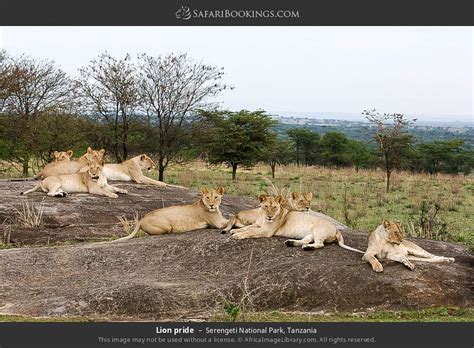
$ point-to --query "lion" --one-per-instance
(387, 242)
(295, 202)
(183, 218)
(90, 178)
(309, 231)
(60, 156)
(131, 170)
(70, 167)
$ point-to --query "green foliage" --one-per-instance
(237, 138)
(232, 311)
(306, 144)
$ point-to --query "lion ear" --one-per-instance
(261, 198)
(101, 152)
(295, 195)
(386, 223)
(220, 190)
(55, 153)
(142, 157)
(204, 190)
(102, 162)
(89, 149)
(309, 196)
(69, 153)
(279, 198)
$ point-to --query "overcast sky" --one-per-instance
(413, 70)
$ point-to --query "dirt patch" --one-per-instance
(191, 275)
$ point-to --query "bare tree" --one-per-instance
(172, 88)
(109, 87)
(392, 138)
(31, 88)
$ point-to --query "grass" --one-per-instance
(357, 199)
(437, 314)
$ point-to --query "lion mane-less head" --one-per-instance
(211, 198)
(271, 206)
(394, 232)
(145, 162)
(93, 169)
(60, 156)
(301, 201)
(94, 155)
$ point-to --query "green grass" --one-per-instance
(366, 204)
(438, 314)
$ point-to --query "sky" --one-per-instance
(411, 70)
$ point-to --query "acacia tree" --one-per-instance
(306, 144)
(109, 88)
(237, 138)
(31, 88)
(392, 138)
(173, 88)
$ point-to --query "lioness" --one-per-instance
(295, 202)
(183, 218)
(62, 155)
(387, 242)
(310, 232)
(131, 170)
(89, 179)
(70, 167)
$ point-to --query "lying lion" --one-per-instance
(131, 170)
(62, 155)
(70, 167)
(295, 202)
(309, 231)
(387, 242)
(89, 179)
(183, 218)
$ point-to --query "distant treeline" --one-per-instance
(163, 106)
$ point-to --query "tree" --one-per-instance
(360, 154)
(237, 138)
(445, 156)
(34, 88)
(277, 152)
(109, 88)
(173, 88)
(393, 140)
(306, 144)
(335, 149)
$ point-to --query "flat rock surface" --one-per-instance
(191, 275)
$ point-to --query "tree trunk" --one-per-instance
(388, 179)
(161, 169)
(234, 171)
(26, 165)
(273, 170)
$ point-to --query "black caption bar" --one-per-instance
(241, 12)
(105, 335)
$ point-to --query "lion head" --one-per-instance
(301, 201)
(93, 169)
(62, 155)
(271, 206)
(146, 162)
(394, 231)
(94, 155)
(211, 198)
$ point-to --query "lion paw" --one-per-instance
(410, 266)
(238, 236)
(289, 243)
(377, 268)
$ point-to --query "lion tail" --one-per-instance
(340, 241)
(38, 175)
(36, 188)
(130, 236)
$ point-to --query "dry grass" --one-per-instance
(29, 215)
(357, 198)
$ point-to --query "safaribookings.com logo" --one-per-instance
(185, 13)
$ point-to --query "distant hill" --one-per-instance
(358, 129)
